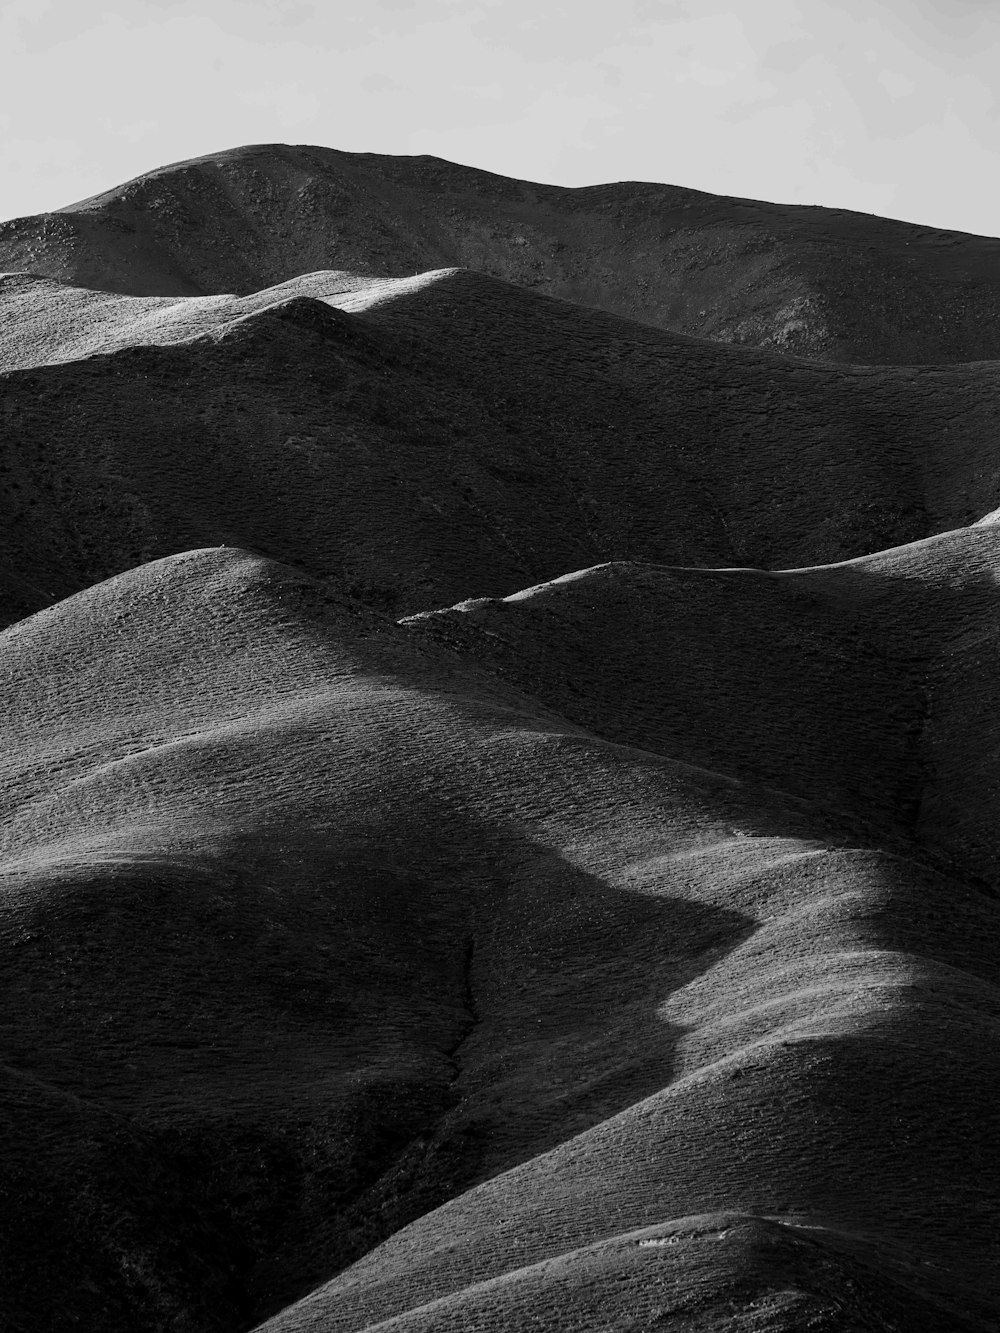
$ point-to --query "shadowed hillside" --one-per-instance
(452, 437)
(310, 924)
(498, 795)
(871, 695)
(813, 281)
(631, 1224)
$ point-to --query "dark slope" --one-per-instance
(871, 683)
(309, 925)
(834, 1064)
(659, 658)
(457, 436)
(613, 949)
(266, 872)
(814, 281)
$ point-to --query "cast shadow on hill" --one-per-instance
(554, 974)
(572, 970)
(932, 612)
(560, 975)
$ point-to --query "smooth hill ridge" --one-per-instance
(45, 322)
(454, 435)
(310, 924)
(862, 675)
(813, 281)
(659, 658)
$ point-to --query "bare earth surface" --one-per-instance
(499, 797)
(451, 435)
(812, 281)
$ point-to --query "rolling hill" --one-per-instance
(498, 786)
(818, 282)
(422, 441)
(316, 922)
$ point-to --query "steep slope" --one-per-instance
(311, 922)
(814, 281)
(453, 436)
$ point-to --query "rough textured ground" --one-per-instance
(313, 922)
(813, 281)
(498, 801)
(453, 436)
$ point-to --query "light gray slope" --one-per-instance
(45, 322)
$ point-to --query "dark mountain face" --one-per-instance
(421, 442)
(815, 282)
(499, 795)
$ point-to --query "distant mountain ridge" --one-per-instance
(817, 282)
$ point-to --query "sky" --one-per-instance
(885, 106)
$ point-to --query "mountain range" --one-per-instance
(498, 769)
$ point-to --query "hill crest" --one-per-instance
(811, 281)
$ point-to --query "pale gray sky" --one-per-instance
(888, 106)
